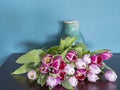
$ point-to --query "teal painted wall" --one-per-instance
(28, 24)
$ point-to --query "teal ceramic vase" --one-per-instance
(72, 29)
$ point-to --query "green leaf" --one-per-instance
(63, 54)
(67, 42)
(62, 44)
(79, 51)
(23, 69)
(31, 56)
(99, 51)
(85, 51)
(39, 79)
(73, 64)
(53, 50)
(66, 85)
(54, 75)
(50, 88)
(70, 41)
(41, 53)
(43, 79)
(33, 65)
(81, 45)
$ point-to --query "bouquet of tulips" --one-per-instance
(65, 64)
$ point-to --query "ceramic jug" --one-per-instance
(72, 29)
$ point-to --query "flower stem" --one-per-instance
(107, 67)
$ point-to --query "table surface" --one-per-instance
(18, 82)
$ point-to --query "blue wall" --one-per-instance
(28, 24)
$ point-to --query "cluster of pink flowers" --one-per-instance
(77, 69)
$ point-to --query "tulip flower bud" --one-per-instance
(44, 69)
(80, 64)
(92, 77)
(106, 55)
(73, 81)
(32, 75)
(110, 76)
(72, 56)
(94, 68)
(52, 81)
(69, 69)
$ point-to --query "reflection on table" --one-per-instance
(99, 85)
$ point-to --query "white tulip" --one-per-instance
(92, 77)
(80, 64)
(73, 81)
(32, 75)
(69, 69)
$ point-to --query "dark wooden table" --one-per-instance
(16, 82)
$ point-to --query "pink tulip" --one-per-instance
(87, 59)
(94, 68)
(44, 69)
(72, 56)
(48, 60)
(52, 81)
(58, 63)
(81, 74)
(73, 81)
(92, 77)
(80, 64)
(69, 69)
(32, 75)
(106, 55)
(96, 59)
(55, 71)
(62, 75)
(110, 76)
